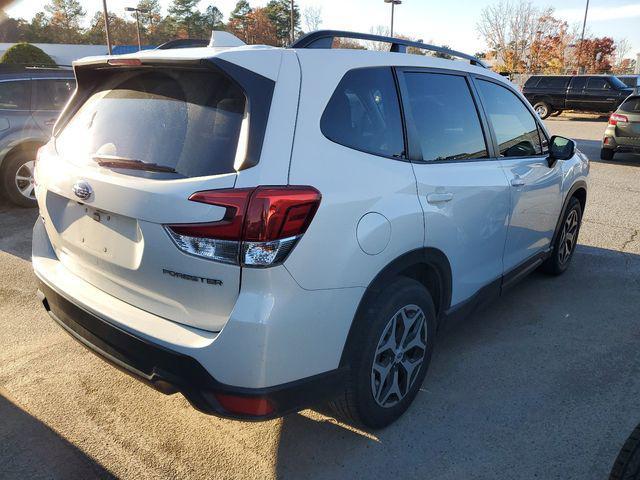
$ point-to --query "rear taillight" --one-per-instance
(616, 117)
(260, 226)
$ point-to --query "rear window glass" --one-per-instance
(531, 82)
(52, 94)
(553, 82)
(446, 120)
(15, 95)
(364, 113)
(161, 120)
(631, 105)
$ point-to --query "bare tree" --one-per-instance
(312, 17)
(510, 28)
(623, 47)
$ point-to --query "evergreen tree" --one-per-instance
(279, 12)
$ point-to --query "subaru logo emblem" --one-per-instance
(82, 189)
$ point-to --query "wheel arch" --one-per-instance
(429, 266)
(25, 144)
(578, 190)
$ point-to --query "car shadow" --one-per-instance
(15, 229)
(552, 363)
(591, 148)
(30, 449)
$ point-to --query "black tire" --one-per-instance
(543, 109)
(627, 464)
(559, 260)
(10, 167)
(357, 404)
(606, 154)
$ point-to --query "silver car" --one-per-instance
(623, 131)
(30, 102)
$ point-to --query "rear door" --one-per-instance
(576, 99)
(15, 105)
(463, 191)
(124, 167)
(535, 186)
(50, 95)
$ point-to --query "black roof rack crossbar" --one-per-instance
(324, 39)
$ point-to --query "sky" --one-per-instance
(449, 23)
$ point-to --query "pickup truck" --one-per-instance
(585, 93)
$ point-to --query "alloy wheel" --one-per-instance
(24, 180)
(399, 355)
(541, 110)
(569, 237)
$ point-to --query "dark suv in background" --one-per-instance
(583, 93)
(30, 101)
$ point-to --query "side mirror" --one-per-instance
(560, 148)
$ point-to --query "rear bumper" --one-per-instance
(170, 371)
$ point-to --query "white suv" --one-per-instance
(264, 229)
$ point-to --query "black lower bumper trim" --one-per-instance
(170, 372)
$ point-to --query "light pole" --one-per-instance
(393, 5)
(137, 10)
(106, 25)
(584, 24)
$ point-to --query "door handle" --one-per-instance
(517, 182)
(50, 123)
(440, 197)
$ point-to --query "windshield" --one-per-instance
(186, 123)
(617, 83)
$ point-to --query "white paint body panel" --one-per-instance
(272, 326)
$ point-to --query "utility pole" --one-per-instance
(393, 5)
(584, 24)
(106, 26)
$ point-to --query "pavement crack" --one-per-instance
(632, 239)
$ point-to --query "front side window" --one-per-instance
(445, 117)
(598, 83)
(15, 95)
(364, 113)
(53, 94)
(515, 127)
(186, 123)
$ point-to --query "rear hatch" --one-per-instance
(628, 122)
(136, 141)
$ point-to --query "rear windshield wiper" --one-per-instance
(113, 161)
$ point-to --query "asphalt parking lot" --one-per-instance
(544, 383)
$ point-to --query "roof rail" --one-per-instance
(324, 39)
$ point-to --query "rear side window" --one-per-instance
(364, 113)
(598, 83)
(553, 82)
(187, 121)
(578, 83)
(531, 82)
(445, 117)
(15, 95)
(631, 105)
(52, 94)
(515, 127)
